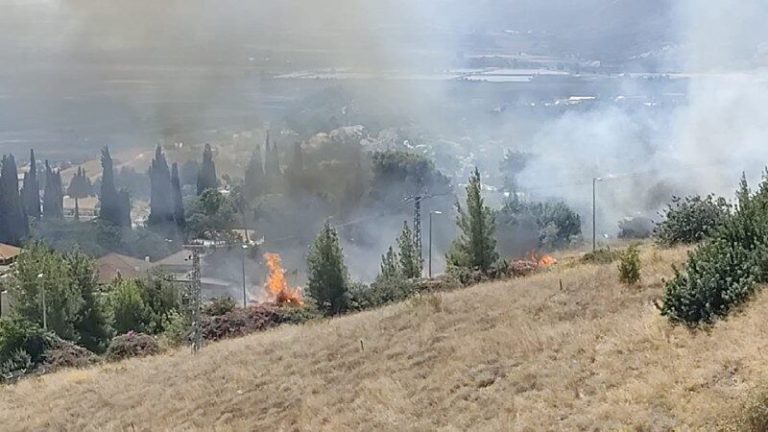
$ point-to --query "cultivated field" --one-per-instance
(524, 355)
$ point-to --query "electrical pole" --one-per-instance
(430, 240)
(195, 300)
(417, 228)
(245, 294)
(594, 214)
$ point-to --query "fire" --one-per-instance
(543, 261)
(277, 285)
(546, 261)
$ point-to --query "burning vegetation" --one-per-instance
(277, 287)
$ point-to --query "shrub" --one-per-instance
(380, 293)
(18, 334)
(65, 354)
(723, 272)
(219, 306)
(629, 266)
(176, 329)
(691, 219)
(601, 256)
(719, 276)
(553, 225)
(242, 321)
(132, 344)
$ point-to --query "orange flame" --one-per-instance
(277, 285)
(544, 261)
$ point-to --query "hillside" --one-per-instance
(520, 355)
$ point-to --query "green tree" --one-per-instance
(410, 256)
(91, 323)
(110, 200)
(80, 186)
(206, 177)
(328, 276)
(30, 191)
(39, 269)
(390, 266)
(127, 307)
(253, 183)
(161, 204)
(476, 246)
(212, 216)
(178, 203)
(13, 221)
(53, 195)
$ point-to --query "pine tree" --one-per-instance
(206, 177)
(13, 220)
(410, 259)
(178, 203)
(161, 203)
(253, 183)
(30, 191)
(109, 199)
(390, 266)
(476, 246)
(328, 276)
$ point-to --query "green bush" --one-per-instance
(176, 329)
(22, 347)
(132, 344)
(629, 266)
(691, 219)
(380, 293)
(723, 272)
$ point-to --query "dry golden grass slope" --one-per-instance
(513, 356)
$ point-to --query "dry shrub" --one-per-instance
(242, 321)
(65, 354)
(132, 344)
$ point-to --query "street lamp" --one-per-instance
(42, 290)
(245, 295)
(430, 239)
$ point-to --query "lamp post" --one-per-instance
(42, 290)
(245, 295)
(430, 240)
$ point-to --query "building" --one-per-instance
(8, 254)
(113, 266)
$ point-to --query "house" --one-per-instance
(87, 208)
(114, 265)
(8, 254)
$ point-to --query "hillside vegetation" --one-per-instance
(517, 355)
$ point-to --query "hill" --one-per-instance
(518, 355)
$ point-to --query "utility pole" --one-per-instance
(430, 240)
(417, 228)
(45, 306)
(245, 294)
(195, 299)
(594, 214)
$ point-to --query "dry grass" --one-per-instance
(521, 355)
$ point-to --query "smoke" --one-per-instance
(85, 73)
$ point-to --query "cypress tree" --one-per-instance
(30, 191)
(476, 246)
(13, 219)
(124, 208)
(53, 195)
(80, 185)
(328, 276)
(108, 197)
(178, 203)
(161, 196)
(253, 183)
(295, 172)
(272, 165)
(206, 177)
